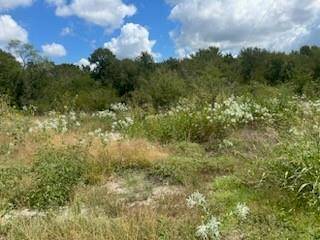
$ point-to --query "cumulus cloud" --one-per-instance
(10, 4)
(83, 62)
(10, 30)
(133, 40)
(231, 25)
(54, 50)
(106, 13)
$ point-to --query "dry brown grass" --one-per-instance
(25, 150)
(135, 153)
(96, 148)
(128, 153)
(4, 139)
(62, 140)
(252, 143)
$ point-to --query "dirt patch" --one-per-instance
(266, 136)
(138, 192)
(235, 235)
(162, 191)
(116, 186)
(157, 194)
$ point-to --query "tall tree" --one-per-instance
(107, 66)
(24, 52)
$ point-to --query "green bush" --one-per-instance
(185, 122)
(194, 121)
(298, 168)
(13, 186)
(56, 174)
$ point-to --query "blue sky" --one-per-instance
(165, 28)
(45, 27)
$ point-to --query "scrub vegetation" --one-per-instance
(208, 147)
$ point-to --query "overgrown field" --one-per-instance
(236, 168)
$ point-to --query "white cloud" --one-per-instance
(231, 25)
(54, 50)
(106, 13)
(10, 4)
(133, 40)
(10, 30)
(83, 62)
(67, 31)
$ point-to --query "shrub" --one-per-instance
(203, 122)
(56, 175)
(13, 185)
(298, 168)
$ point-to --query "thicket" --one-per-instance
(144, 82)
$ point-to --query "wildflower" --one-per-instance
(56, 122)
(210, 230)
(196, 199)
(105, 137)
(213, 228)
(242, 211)
(202, 232)
(119, 107)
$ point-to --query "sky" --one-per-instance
(70, 30)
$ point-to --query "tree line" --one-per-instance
(28, 78)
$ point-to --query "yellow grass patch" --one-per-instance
(62, 140)
(4, 139)
(135, 153)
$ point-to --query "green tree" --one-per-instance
(146, 63)
(10, 71)
(278, 70)
(251, 63)
(107, 68)
(25, 52)
(161, 90)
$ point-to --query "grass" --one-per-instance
(73, 185)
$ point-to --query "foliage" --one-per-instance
(204, 122)
(249, 124)
(55, 175)
(162, 88)
(298, 167)
(13, 185)
(9, 74)
(210, 228)
(206, 74)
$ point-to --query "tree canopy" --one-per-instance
(28, 78)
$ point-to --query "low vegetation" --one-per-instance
(241, 168)
(207, 147)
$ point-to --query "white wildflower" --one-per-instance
(213, 228)
(210, 230)
(242, 211)
(196, 199)
(202, 232)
